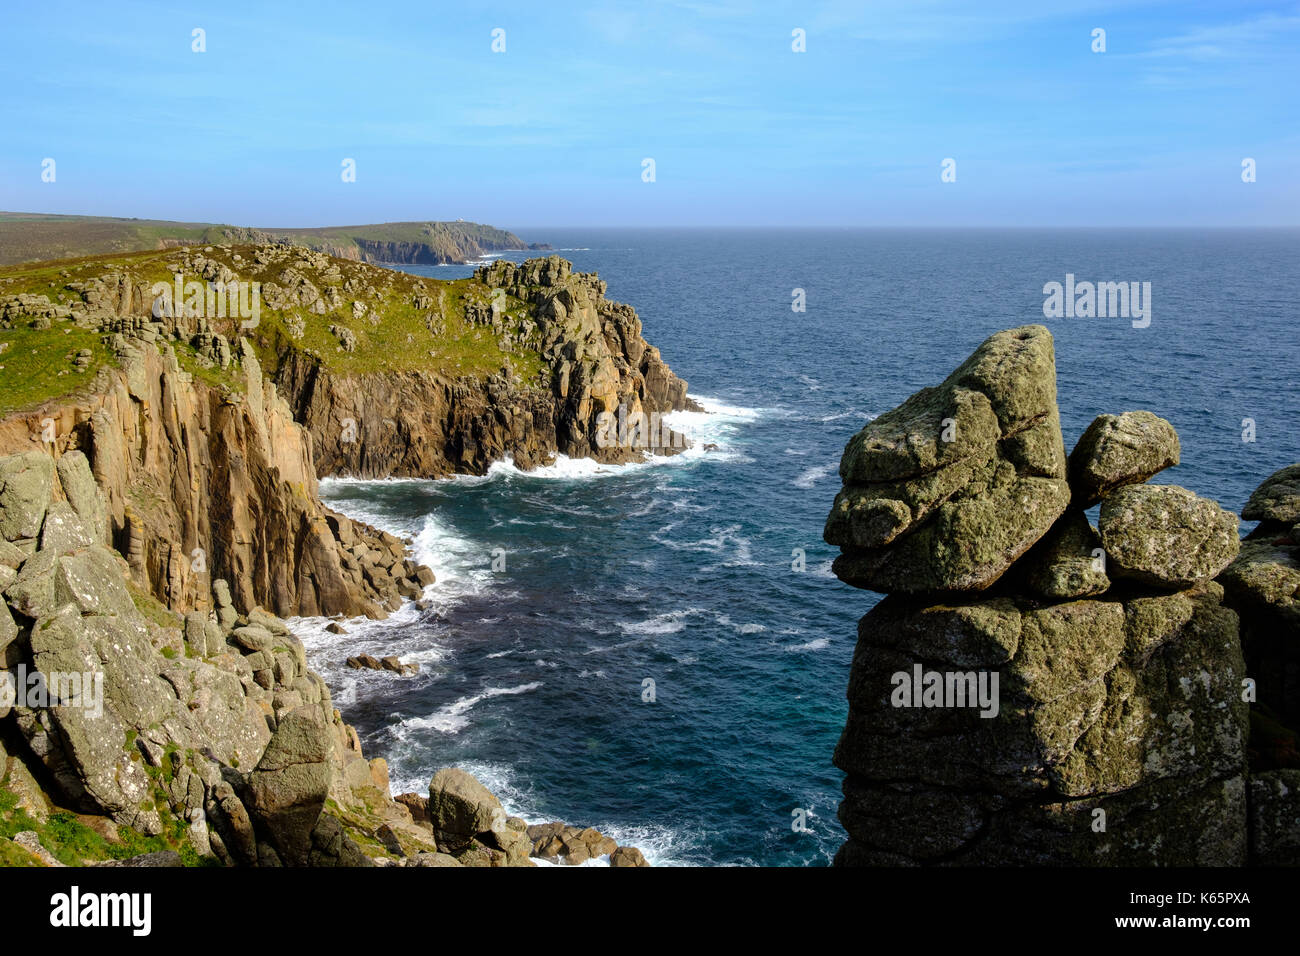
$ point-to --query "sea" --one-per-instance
(660, 650)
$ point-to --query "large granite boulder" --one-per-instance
(944, 492)
(1166, 536)
(290, 783)
(1078, 719)
(25, 484)
(1119, 450)
(461, 809)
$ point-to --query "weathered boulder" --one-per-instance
(627, 856)
(78, 483)
(1277, 499)
(25, 484)
(1069, 562)
(461, 808)
(946, 491)
(1118, 450)
(1166, 536)
(64, 531)
(290, 783)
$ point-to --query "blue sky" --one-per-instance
(743, 131)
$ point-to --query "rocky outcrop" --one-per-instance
(946, 491)
(1263, 587)
(211, 724)
(594, 362)
(1033, 690)
(472, 829)
(204, 483)
(148, 517)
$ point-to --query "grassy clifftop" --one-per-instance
(351, 316)
(33, 237)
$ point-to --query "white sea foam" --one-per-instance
(817, 644)
(451, 719)
(813, 475)
(726, 542)
(670, 622)
(852, 413)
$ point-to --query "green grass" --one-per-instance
(401, 341)
(37, 364)
(73, 842)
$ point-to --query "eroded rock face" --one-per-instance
(196, 484)
(595, 358)
(1085, 692)
(945, 492)
(1033, 690)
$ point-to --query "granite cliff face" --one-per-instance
(1033, 690)
(203, 482)
(419, 423)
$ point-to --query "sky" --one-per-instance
(743, 130)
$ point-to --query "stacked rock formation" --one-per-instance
(1033, 690)
(1263, 587)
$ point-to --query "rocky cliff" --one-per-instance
(593, 361)
(207, 430)
(1034, 690)
(202, 482)
(161, 492)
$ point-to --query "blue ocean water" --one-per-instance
(681, 571)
